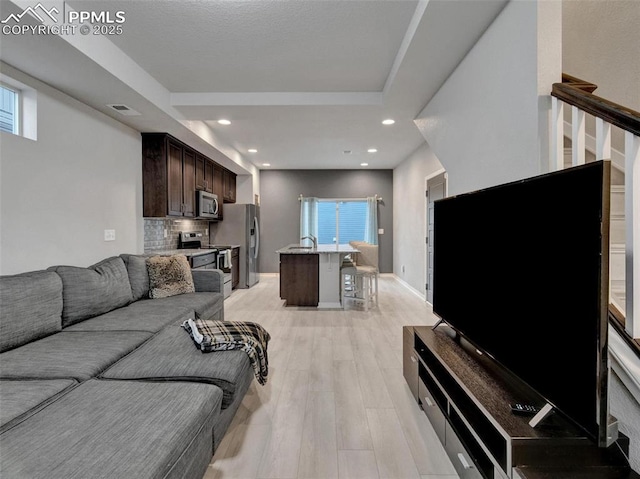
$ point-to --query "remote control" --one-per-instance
(524, 409)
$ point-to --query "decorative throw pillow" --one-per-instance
(169, 276)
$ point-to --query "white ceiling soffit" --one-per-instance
(301, 80)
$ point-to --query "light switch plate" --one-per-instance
(109, 235)
(380, 231)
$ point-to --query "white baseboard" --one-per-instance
(420, 295)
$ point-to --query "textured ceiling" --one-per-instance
(262, 46)
(300, 80)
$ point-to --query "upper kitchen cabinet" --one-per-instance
(218, 188)
(229, 180)
(168, 176)
(204, 174)
(172, 172)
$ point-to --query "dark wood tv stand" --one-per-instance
(467, 398)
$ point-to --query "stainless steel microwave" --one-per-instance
(207, 205)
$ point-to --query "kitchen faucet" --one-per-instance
(313, 239)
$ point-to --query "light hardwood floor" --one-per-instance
(336, 404)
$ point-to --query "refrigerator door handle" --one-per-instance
(257, 230)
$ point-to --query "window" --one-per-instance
(338, 221)
(342, 221)
(9, 110)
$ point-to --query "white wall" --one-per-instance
(488, 122)
(409, 216)
(58, 194)
(247, 186)
(606, 30)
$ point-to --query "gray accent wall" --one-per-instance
(280, 208)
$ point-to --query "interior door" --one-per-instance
(436, 189)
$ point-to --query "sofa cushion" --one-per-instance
(95, 290)
(116, 429)
(172, 356)
(169, 276)
(138, 275)
(208, 280)
(31, 307)
(144, 315)
(206, 305)
(79, 355)
(21, 398)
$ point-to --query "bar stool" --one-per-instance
(359, 278)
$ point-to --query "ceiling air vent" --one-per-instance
(123, 109)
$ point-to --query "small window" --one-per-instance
(9, 110)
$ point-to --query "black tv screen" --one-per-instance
(521, 271)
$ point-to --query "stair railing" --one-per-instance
(578, 94)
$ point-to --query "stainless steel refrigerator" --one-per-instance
(241, 226)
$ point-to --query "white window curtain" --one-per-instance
(371, 225)
(308, 217)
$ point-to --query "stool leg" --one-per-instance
(366, 290)
(347, 280)
(376, 278)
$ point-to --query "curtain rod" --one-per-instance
(378, 198)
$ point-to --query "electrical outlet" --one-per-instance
(380, 231)
(165, 233)
(109, 235)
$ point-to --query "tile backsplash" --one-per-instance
(154, 232)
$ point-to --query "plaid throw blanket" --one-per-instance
(229, 335)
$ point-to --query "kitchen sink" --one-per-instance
(300, 248)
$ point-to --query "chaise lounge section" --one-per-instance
(99, 380)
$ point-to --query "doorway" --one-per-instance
(436, 188)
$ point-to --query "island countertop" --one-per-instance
(321, 249)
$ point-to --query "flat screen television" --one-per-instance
(521, 271)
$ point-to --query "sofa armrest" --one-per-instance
(208, 280)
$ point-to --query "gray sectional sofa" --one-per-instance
(99, 381)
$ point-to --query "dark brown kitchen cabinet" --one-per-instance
(235, 267)
(218, 188)
(168, 177)
(229, 184)
(189, 182)
(299, 279)
(204, 173)
(172, 172)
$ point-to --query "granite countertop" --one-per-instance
(187, 252)
(225, 246)
(321, 249)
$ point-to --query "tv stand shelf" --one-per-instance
(467, 397)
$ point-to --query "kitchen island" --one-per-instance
(311, 276)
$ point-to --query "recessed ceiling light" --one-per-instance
(224, 122)
(252, 150)
(388, 121)
(372, 150)
(364, 164)
(266, 164)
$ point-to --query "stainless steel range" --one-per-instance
(190, 240)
